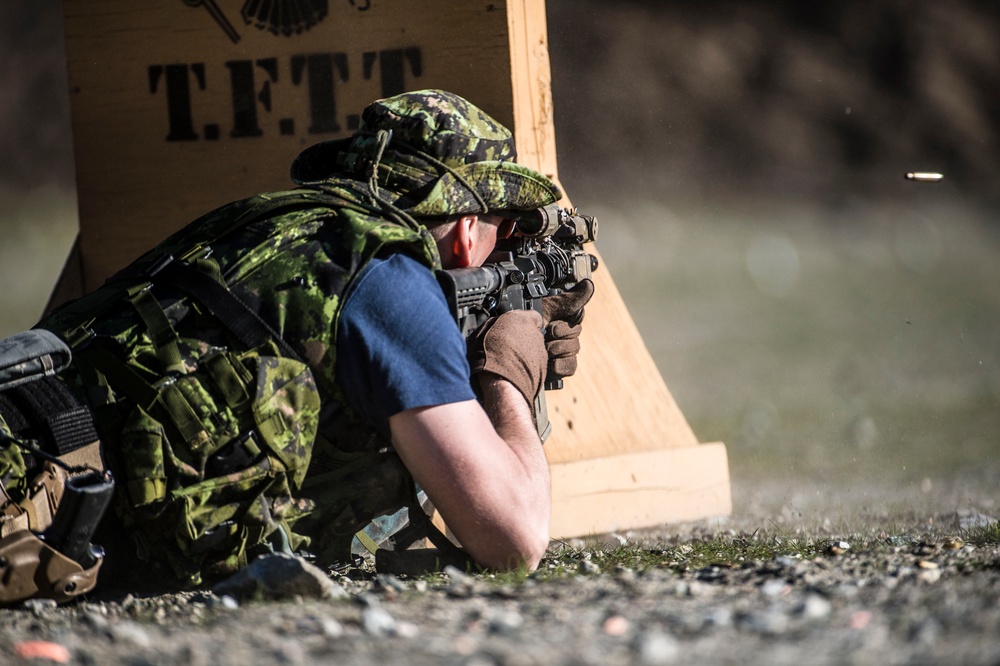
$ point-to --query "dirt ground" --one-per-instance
(833, 324)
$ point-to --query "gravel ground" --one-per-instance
(859, 404)
(904, 589)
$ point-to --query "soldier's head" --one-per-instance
(436, 157)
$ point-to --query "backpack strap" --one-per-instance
(226, 306)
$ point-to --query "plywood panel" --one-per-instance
(173, 115)
(617, 402)
(636, 490)
(179, 107)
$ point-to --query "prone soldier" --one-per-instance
(286, 373)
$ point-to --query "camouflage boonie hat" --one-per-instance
(432, 153)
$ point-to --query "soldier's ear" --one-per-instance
(463, 240)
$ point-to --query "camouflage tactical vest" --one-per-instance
(221, 416)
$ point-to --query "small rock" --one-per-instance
(462, 585)
(720, 616)
(588, 567)
(280, 576)
(838, 548)
(95, 620)
(815, 607)
(39, 606)
(131, 633)
(788, 561)
(43, 650)
(775, 588)
(612, 541)
(654, 647)
(368, 600)
(390, 582)
(329, 627)
(289, 652)
(503, 622)
(930, 576)
(615, 625)
(952, 543)
(860, 619)
(767, 623)
(378, 622)
(407, 630)
(711, 573)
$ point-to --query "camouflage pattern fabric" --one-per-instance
(432, 153)
(223, 451)
(188, 512)
(31, 354)
(13, 470)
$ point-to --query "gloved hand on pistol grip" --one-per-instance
(563, 317)
(512, 347)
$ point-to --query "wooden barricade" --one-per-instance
(180, 106)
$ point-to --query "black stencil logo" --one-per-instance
(278, 17)
(284, 17)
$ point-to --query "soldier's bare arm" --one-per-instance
(488, 478)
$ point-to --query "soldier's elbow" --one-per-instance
(523, 551)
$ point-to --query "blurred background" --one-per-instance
(835, 324)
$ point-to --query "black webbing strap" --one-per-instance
(97, 360)
(233, 313)
(54, 413)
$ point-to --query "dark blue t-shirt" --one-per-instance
(398, 346)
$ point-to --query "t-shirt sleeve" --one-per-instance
(398, 346)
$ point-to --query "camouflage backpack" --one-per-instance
(208, 413)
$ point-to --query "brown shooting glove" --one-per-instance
(563, 320)
(512, 347)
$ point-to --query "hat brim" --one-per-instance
(501, 185)
(318, 161)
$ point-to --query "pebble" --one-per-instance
(43, 650)
(815, 607)
(615, 625)
(280, 576)
(838, 548)
(378, 622)
(720, 616)
(462, 585)
(788, 561)
(775, 588)
(131, 633)
(503, 621)
(329, 627)
(930, 576)
(655, 647)
(589, 568)
(767, 622)
(95, 620)
(390, 582)
(39, 606)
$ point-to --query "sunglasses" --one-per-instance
(506, 229)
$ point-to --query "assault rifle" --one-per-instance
(542, 257)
